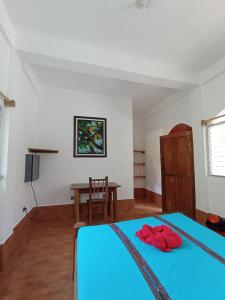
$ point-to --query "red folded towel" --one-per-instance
(161, 237)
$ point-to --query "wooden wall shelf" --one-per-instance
(139, 151)
(38, 150)
(139, 164)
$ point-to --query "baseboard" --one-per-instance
(201, 212)
(17, 242)
(62, 212)
(144, 194)
(124, 205)
(201, 216)
(54, 212)
(140, 193)
(154, 197)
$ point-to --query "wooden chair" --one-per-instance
(98, 196)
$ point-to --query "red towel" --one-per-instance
(161, 237)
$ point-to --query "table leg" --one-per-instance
(77, 205)
(114, 204)
(110, 205)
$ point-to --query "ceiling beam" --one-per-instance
(76, 58)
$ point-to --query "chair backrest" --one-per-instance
(98, 189)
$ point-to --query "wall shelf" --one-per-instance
(38, 150)
(139, 151)
(139, 164)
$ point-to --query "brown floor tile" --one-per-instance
(44, 271)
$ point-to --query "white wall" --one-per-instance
(4, 63)
(203, 102)
(55, 130)
(19, 133)
(138, 134)
(157, 125)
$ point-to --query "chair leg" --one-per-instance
(112, 211)
(109, 203)
(90, 214)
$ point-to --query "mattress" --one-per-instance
(113, 264)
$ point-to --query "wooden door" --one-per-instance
(177, 167)
(168, 161)
(185, 174)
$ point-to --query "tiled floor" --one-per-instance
(44, 271)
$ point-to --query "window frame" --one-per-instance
(212, 123)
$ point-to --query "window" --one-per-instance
(215, 129)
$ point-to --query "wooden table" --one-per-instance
(83, 188)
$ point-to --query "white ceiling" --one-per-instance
(189, 33)
(111, 47)
(144, 96)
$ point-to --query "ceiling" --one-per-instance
(189, 33)
(165, 46)
(144, 96)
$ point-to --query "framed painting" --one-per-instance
(90, 138)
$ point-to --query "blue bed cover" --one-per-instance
(106, 270)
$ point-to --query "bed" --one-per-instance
(113, 264)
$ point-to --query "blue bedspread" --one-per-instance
(106, 271)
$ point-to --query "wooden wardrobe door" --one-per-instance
(170, 197)
(185, 197)
(168, 154)
(184, 155)
(169, 171)
(185, 175)
(177, 168)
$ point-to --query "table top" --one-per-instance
(80, 186)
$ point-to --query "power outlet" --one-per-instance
(24, 209)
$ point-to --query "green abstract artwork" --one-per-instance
(89, 137)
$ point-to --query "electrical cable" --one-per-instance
(35, 198)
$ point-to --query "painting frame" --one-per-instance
(77, 137)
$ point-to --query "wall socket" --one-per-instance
(24, 209)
